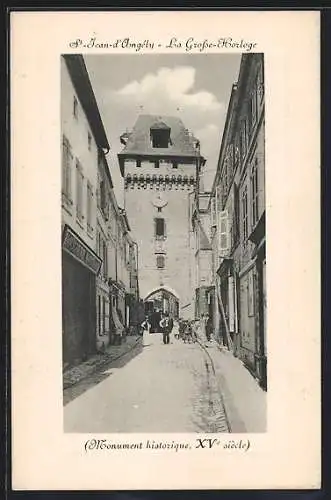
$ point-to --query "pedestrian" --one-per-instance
(181, 329)
(176, 329)
(145, 325)
(194, 331)
(188, 337)
(166, 324)
(203, 330)
(209, 328)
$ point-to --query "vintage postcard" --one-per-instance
(165, 250)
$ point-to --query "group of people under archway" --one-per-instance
(189, 331)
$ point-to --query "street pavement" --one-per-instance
(163, 388)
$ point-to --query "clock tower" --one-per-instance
(160, 163)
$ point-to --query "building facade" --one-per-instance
(160, 161)
(237, 215)
(99, 257)
(82, 137)
(117, 282)
(202, 254)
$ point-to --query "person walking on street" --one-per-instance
(166, 324)
(209, 328)
(145, 325)
(176, 329)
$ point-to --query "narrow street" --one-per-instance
(159, 388)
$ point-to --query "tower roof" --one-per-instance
(160, 125)
(139, 143)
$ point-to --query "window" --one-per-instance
(229, 161)
(223, 234)
(103, 315)
(244, 207)
(160, 261)
(103, 199)
(243, 139)
(260, 82)
(89, 141)
(225, 177)
(254, 104)
(75, 107)
(99, 314)
(160, 137)
(250, 293)
(89, 206)
(255, 192)
(159, 228)
(99, 245)
(213, 212)
(175, 164)
(79, 191)
(105, 259)
(67, 158)
(236, 217)
(253, 107)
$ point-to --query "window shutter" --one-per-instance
(231, 304)
(218, 205)
(213, 212)
(223, 233)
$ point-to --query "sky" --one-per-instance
(196, 88)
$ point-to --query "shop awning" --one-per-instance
(258, 232)
(224, 266)
(118, 325)
(259, 247)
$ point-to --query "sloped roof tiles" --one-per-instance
(139, 142)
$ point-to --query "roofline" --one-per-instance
(81, 81)
(236, 89)
(225, 133)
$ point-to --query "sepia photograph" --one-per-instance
(164, 303)
(151, 183)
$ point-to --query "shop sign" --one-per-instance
(73, 245)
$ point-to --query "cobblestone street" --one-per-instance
(163, 388)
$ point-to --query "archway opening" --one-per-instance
(159, 302)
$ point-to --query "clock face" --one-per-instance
(159, 200)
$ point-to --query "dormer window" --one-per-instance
(160, 135)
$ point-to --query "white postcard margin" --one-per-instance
(288, 455)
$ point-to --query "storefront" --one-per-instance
(248, 315)
(103, 314)
(253, 343)
(258, 238)
(227, 303)
(80, 265)
(117, 324)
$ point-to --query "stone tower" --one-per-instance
(160, 163)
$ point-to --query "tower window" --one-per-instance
(160, 135)
(159, 227)
(160, 262)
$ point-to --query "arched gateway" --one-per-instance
(162, 299)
